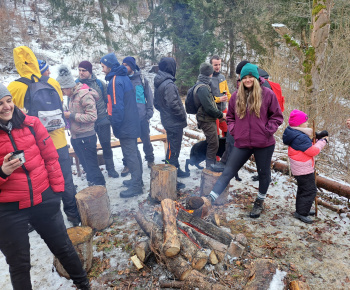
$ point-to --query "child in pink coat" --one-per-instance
(301, 153)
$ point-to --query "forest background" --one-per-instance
(307, 52)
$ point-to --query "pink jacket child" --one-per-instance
(301, 153)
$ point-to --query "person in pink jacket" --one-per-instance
(301, 153)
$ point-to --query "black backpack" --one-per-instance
(191, 104)
(43, 101)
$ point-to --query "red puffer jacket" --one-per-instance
(41, 169)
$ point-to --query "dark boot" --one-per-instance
(303, 218)
(180, 185)
(125, 171)
(110, 168)
(208, 163)
(131, 191)
(83, 286)
(218, 167)
(257, 208)
(130, 182)
(182, 174)
(75, 221)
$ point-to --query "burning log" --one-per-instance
(171, 245)
(177, 265)
(208, 228)
(208, 179)
(94, 207)
(163, 182)
(143, 250)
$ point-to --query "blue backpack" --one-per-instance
(43, 101)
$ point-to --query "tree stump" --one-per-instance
(94, 207)
(163, 182)
(208, 179)
(81, 238)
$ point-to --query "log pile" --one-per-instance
(185, 243)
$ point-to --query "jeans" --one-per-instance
(68, 196)
(46, 218)
(134, 163)
(174, 138)
(306, 193)
(85, 148)
(237, 158)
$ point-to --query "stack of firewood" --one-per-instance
(185, 243)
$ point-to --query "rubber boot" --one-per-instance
(208, 163)
(257, 208)
(110, 168)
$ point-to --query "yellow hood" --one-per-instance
(26, 62)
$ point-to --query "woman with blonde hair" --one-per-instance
(253, 116)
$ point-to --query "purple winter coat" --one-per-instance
(251, 131)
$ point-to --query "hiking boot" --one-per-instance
(218, 167)
(255, 177)
(75, 221)
(113, 173)
(208, 163)
(303, 218)
(257, 208)
(312, 212)
(237, 177)
(182, 174)
(131, 191)
(130, 182)
(110, 168)
(180, 185)
(125, 171)
(150, 164)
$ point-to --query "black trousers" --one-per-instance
(230, 143)
(47, 220)
(85, 148)
(306, 193)
(104, 136)
(210, 131)
(238, 157)
(133, 159)
(68, 196)
(174, 138)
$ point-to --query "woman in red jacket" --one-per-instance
(29, 193)
(253, 116)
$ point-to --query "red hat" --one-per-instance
(297, 118)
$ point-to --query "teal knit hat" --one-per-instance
(250, 69)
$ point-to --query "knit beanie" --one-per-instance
(109, 60)
(131, 62)
(86, 65)
(206, 69)
(65, 78)
(250, 69)
(43, 66)
(4, 91)
(296, 118)
(240, 66)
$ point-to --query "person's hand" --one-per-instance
(9, 166)
(223, 99)
(67, 114)
(223, 117)
(348, 123)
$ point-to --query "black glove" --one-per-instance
(322, 134)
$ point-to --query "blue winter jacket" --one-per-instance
(122, 103)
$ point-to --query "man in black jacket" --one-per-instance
(172, 112)
(208, 112)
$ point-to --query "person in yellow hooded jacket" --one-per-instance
(27, 65)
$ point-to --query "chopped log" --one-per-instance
(143, 250)
(261, 274)
(197, 280)
(163, 182)
(176, 265)
(94, 207)
(235, 249)
(171, 284)
(136, 262)
(205, 241)
(81, 238)
(171, 246)
(213, 259)
(322, 182)
(194, 202)
(208, 228)
(208, 179)
(298, 285)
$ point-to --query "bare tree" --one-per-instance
(106, 28)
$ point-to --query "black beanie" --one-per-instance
(206, 69)
(240, 66)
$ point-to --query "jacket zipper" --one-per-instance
(25, 171)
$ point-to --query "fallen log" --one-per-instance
(143, 250)
(176, 265)
(171, 246)
(163, 182)
(333, 207)
(321, 182)
(261, 274)
(208, 228)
